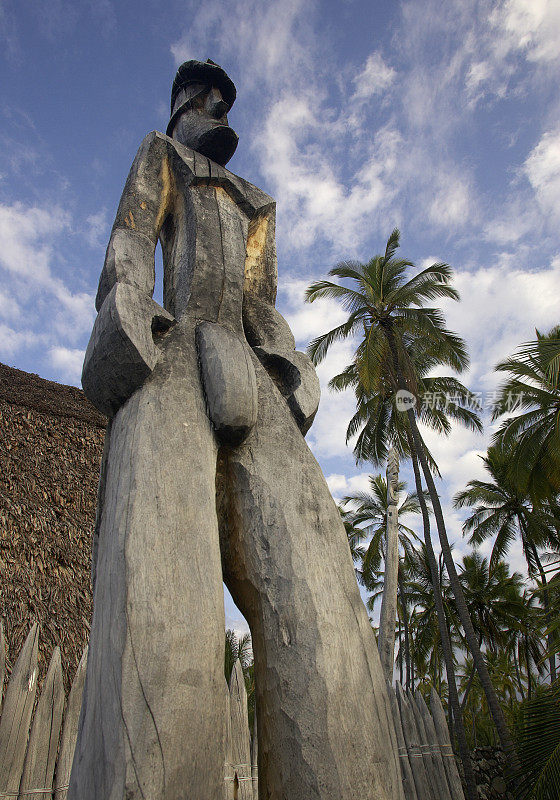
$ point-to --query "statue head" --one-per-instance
(201, 96)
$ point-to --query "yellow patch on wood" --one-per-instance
(255, 253)
(166, 193)
(143, 205)
(129, 220)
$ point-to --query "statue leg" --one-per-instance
(153, 708)
(323, 716)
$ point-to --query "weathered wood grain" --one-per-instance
(413, 745)
(442, 731)
(228, 762)
(40, 759)
(70, 729)
(409, 787)
(427, 749)
(445, 791)
(2, 662)
(255, 760)
(240, 737)
(16, 713)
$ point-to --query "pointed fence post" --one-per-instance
(240, 737)
(442, 731)
(255, 759)
(413, 743)
(436, 749)
(439, 790)
(228, 766)
(409, 787)
(70, 730)
(389, 600)
(40, 759)
(2, 661)
(16, 714)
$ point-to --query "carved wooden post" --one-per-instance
(208, 477)
(389, 600)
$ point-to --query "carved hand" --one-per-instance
(270, 336)
(122, 352)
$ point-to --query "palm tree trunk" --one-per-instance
(528, 665)
(390, 584)
(462, 610)
(400, 648)
(468, 688)
(518, 672)
(546, 598)
(470, 782)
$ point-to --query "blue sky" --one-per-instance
(440, 118)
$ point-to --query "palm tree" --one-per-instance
(238, 646)
(369, 516)
(429, 655)
(495, 602)
(503, 508)
(388, 314)
(355, 536)
(533, 435)
(539, 746)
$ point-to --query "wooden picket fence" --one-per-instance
(428, 766)
(37, 741)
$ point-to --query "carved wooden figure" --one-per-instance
(206, 474)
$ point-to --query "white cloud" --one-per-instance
(531, 26)
(274, 40)
(9, 306)
(68, 362)
(452, 203)
(97, 228)
(374, 79)
(500, 307)
(296, 152)
(13, 341)
(542, 168)
(39, 304)
(342, 485)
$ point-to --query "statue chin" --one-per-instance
(218, 144)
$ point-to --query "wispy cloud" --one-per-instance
(38, 304)
(68, 362)
(542, 168)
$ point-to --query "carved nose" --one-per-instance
(215, 104)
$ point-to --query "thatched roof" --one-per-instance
(51, 439)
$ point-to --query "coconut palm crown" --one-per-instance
(384, 306)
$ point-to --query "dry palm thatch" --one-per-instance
(51, 440)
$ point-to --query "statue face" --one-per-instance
(203, 125)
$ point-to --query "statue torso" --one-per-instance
(216, 241)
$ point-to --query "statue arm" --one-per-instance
(270, 336)
(121, 352)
